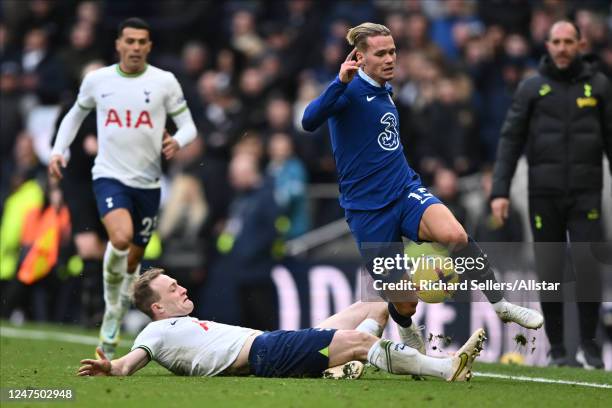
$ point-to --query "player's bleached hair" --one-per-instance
(144, 296)
(358, 36)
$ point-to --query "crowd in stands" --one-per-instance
(248, 69)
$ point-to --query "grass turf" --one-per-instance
(52, 364)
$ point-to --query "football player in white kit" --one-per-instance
(132, 100)
(186, 345)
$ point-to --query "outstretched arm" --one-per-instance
(126, 365)
(331, 100)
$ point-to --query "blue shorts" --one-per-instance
(142, 203)
(379, 232)
(294, 353)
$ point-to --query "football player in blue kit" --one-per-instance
(381, 194)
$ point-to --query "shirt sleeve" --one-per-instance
(175, 101)
(150, 340)
(86, 99)
(330, 102)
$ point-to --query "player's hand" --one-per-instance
(56, 163)
(90, 367)
(349, 67)
(169, 146)
(499, 209)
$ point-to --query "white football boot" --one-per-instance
(523, 316)
(347, 371)
(465, 356)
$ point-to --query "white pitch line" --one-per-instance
(50, 335)
(541, 380)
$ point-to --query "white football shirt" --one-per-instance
(131, 115)
(188, 346)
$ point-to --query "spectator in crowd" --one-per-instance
(446, 188)
(42, 74)
(247, 244)
(244, 37)
(11, 122)
(278, 117)
(252, 91)
(290, 181)
(44, 236)
(81, 50)
(24, 193)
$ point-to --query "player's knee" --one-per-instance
(361, 344)
(406, 308)
(380, 313)
(455, 236)
(120, 239)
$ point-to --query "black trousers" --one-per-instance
(563, 227)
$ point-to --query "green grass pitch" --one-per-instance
(53, 364)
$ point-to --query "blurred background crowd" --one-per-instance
(254, 180)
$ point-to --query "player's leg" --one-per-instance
(439, 225)
(378, 235)
(118, 224)
(144, 217)
(584, 225)
(398, 358)
(114, 206)
(548, 225)
(368, 317)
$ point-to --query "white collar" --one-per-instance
(367, 78)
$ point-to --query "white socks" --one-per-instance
(126, 290)
(370, 326)
(115, 268)
(401, 359)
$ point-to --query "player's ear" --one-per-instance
(156, 308)
(359, 56)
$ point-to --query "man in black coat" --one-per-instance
(562, 117)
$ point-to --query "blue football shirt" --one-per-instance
(365, 138)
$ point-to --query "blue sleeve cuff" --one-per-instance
(338, 81)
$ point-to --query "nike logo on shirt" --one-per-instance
(370, 98)
(104, 95)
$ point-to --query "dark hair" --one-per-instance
(144, 296)
(578, 34)
(133, 22)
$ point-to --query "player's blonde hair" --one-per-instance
(358, 36)
(144, 296)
